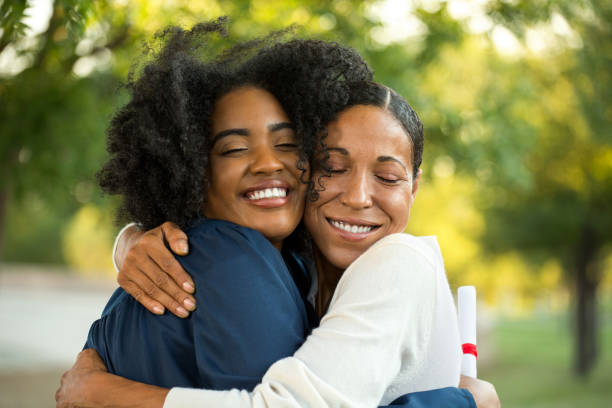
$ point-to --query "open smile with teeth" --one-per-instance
(354, 229)
(267, 193)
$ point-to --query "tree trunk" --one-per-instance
(587, 280)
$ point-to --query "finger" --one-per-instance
(145, 282)
(58, 393)
(176, 238)
(166, 260)
(141, 268)
(165, 289)
(172, 275)
(152, 290)
(142, 298)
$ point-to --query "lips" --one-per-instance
(274, 192)
(268, 194)
(353, 228)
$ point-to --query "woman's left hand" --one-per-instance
(76, 384)
(484, 392)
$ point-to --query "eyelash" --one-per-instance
(385, 180)
(287, 145)
(230, 151)
(240, 149)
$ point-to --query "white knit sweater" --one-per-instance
(391, 329)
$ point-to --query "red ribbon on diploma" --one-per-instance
(469, 348)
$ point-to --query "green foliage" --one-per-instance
(567, 154)
(11, 15)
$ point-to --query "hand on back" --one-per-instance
(149, 271)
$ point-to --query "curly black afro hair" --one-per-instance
(159, 142)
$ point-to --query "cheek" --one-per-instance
(329, 187)
(310, 219)
(291, 160)
(397, 205)
(224, 177)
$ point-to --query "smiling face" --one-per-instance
(371, 188)
(254, 179)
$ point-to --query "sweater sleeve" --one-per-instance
(379, 320)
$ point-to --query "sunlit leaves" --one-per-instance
(11, 18)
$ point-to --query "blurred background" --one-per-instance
(516, 97)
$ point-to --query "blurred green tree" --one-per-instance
(557, 194)
(52, 117)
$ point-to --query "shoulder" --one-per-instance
(398, 248)
(399, 265)
(226, 252)
(214, 243)
(222, 233)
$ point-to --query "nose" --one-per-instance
(265, 161)
(358, 192)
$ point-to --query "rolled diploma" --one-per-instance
(466, 305)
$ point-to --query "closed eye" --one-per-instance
(236, 150)
(388, 181)
(287, 146)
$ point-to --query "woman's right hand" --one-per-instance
(151, 274)
(483, 392)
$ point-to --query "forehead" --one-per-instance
(366, 129)
(246, 106)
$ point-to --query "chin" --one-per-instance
(342, 258)
(279, 231)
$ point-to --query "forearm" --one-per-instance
(106, 390)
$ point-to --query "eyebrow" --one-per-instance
(383, 159)
(380, 159)
(340, 150)
(245, 132)
(281, 125)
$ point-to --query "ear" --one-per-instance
(415, 183)
(415, 187)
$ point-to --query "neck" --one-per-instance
(277, 244)
(328, 277)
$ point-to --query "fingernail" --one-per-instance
(182, 246)
(182, 312)
(158, 310)
(189, 304)
(188, 287)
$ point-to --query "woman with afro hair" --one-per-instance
(223, 149)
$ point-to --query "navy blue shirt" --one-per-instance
(250, 314)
